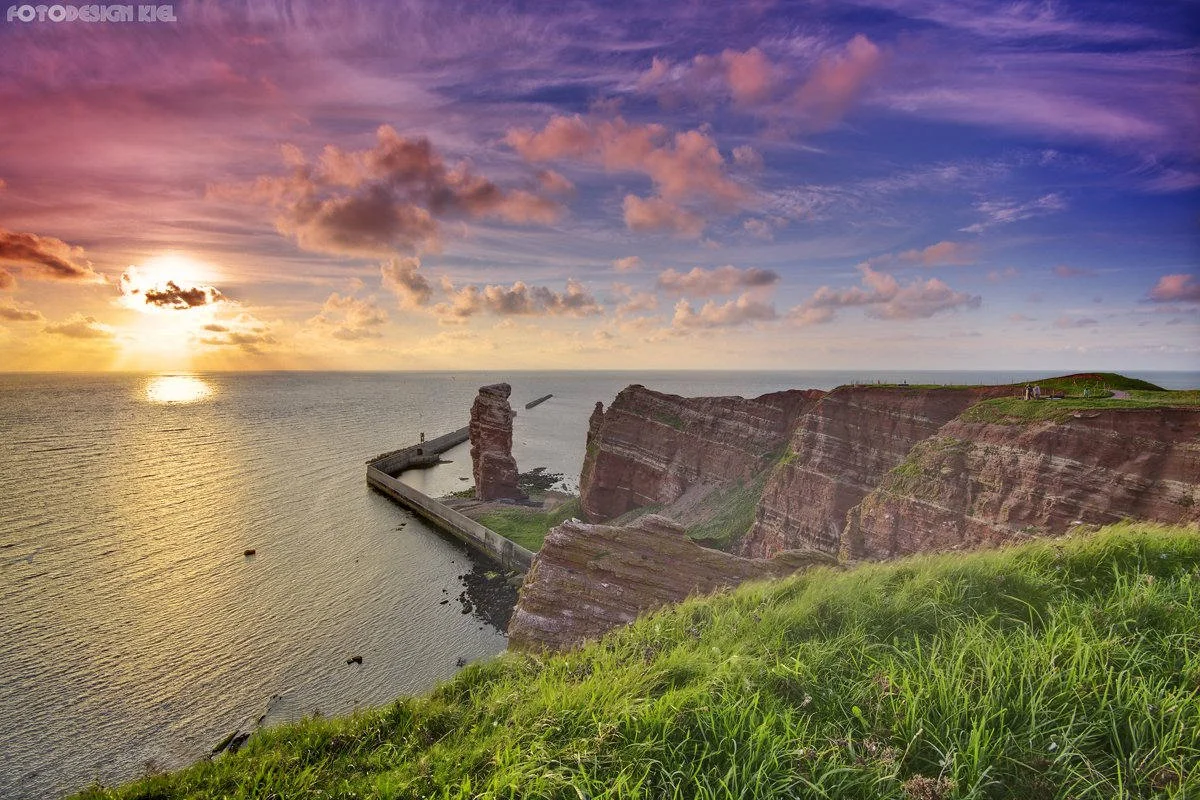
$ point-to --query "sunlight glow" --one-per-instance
(177, 389)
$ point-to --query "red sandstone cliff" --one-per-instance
(978, 483)
(649, 448)
(869, 472)
(840, 451)
(492, 461)
(589, 579)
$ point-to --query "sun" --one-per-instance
(175, 301)
(157, 274)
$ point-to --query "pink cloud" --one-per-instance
(401, 277)
(656, 215)
(752, 81)
(349, 318)
(1178, 288)
(884, 297)
(700, 282)
(747, 157)
(943, 254)
(836, 83)
(733, 313)
(681, 166)
(634, 301)
(1067, 271)
(520, 299)
(555, 183)
(746, 78)
(42, 258)
(383, 200)
(627, 264)
(750, 75)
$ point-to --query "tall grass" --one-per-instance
(1062, 669)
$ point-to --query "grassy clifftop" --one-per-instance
(1060, 669)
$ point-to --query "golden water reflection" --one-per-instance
(177, 389)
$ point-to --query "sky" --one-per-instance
(833, 184)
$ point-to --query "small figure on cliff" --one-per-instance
(1037, 392)
(1028, 392)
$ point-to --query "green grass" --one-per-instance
(1074, 384)
(1016, 410)
(526, 526)
(1060, 669)
(732, 511)
(909, 477)
(673, 420)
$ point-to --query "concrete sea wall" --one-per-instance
(381, 474)
(424, 454)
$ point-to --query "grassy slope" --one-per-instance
(528, 527)
(730, 513)
(1058, 669)
(1008, 410)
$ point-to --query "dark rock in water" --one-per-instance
(462, 662)
(354, 660)
(249, 551)
(444, 603)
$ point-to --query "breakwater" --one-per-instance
(382, 472)
(538, 402)
(420, 455)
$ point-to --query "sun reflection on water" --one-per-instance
(177, 389)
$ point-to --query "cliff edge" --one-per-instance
(589, 579)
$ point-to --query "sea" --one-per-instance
(135, 632)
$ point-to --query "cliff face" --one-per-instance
(979, 483)
(840, 451)
(589, 579)
(492, 462)
(649, 448)
(868, 472)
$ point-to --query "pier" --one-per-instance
(383, 472)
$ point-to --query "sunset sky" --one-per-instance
(439, 185)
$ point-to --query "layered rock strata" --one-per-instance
(494, 467)
(979, 483)
(839, 452)
(649, 448)
(589, 579)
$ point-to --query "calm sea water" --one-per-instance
(135, 634)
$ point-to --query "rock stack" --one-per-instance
(495, 468)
